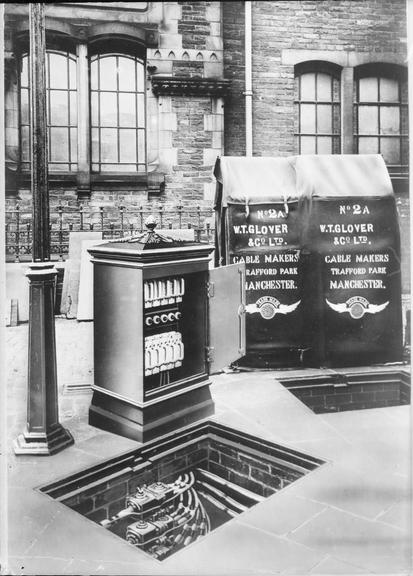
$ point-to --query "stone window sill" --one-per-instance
(153, 182)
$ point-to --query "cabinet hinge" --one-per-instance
(209, 353)
(210, 289)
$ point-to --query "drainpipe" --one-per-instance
(248, 79)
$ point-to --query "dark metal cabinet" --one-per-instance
(163, 321)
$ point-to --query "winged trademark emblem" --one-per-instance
(268, 307)
(357, 307)
(286, 309)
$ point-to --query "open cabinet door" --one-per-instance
(226, 316)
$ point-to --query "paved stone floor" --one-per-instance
(350, 516)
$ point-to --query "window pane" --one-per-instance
(73, 108)
(58, 167)
(389, 120)
(58, 71)
(368, 90)
(140, 74)
(95, 145)
(324, 145)
(127, 145)
(141, 110)
(94, 63)
(324, 87)
(94, 107)
(108, 109)
(307, 86)
(24, 106)
(307, 120)
(368, 145)
(59, 113)
(25, 143)
(126, 74)
(324, 120)
(108, 73)
(141, 146)
(72, 74)
(368, 120)
(389, 90)
(127, 112)
(114, 105)
(59, 145)
(24, 77)
(73, 144)
(307, 145)
(390, 148)
(109, 145)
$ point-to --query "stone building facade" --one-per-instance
(327, 77)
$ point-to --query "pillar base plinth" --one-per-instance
(42, 444)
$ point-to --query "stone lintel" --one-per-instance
(189, 86)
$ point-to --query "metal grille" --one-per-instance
(113, 221)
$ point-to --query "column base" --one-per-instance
(42, 444)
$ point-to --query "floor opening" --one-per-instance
(176, 490)
(351, 390)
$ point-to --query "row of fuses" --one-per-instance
(163, 352)
(166, 291)
(157, 319)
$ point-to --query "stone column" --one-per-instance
(83, 123)
(347, 80)
(11, 121)
(43, 435)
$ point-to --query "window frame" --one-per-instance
(334, 71)
(118, 127)
(379, 71)
(62, 43)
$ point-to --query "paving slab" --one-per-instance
(330, 565)
(350, 516)
(372, 545)
(235, 548)
(281, 513)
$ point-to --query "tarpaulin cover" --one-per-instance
(334, 175)
(320, 239)
(259, 224)
(254, 180)
(350, 270)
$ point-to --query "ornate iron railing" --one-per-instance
(112, 221)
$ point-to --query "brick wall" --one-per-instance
(234, 70)
(327, 398)
(353, 26)
(185, 133)
(261, 474)
(357, 30)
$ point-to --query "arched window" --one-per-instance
(380, 112)
(317, 108)
(117, 85)
(61, 106)
(96, 112)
